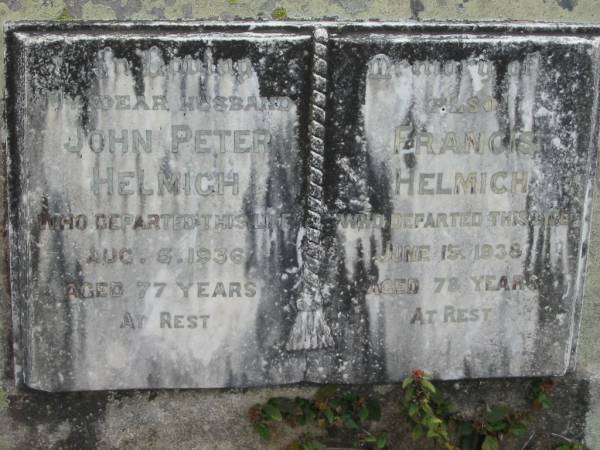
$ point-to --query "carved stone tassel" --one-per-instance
(310, 331)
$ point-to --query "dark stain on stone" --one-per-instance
(466, 368)
(13, 5)
(82, 411)
(188, 11)
(416, 7)
(546, 268)
(347, 159)
(159, 13)
(567, 4)
(410, 160)
(123, 9)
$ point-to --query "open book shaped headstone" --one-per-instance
(212, 205)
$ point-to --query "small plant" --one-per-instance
(65, 15)
(434, 418)
(540, 394)
(487, 433)
(279, 13)
(328, 410)
(571, 446)
(427, 412)
(306, 444)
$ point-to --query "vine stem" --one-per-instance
(528, 441)
(564, 438)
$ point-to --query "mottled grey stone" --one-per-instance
(461, 173)
(196, 205)
(156, 199)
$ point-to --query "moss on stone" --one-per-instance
(65, 15)
(279, 13)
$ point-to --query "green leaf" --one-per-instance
(350, 423)
(363, 414)
(496, 426)
(432, 421)
(329, 415)
(431, 433)
(381, 441)
(427, 409)
(490, 443)
(470, 442)
(407, 381)
(350, 397)
(518, 429)
(313, 445)
(326, 392)
(428, 385)
(370, 439)
(409, 394)
(544, 400)
(450, 409)
(466, 429)
(413, 410)
(374, 409)
(497, 413)
(272, 412)
(286, 406)
(263, 430)
(417, 432)
(300, 402)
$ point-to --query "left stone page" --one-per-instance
(156, 186)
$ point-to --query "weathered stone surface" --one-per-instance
(156, 200)
(207, 206)
(460, 179)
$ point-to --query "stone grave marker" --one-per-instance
(461, 172)
(156, 200)
(213, 205)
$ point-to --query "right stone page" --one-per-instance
(457, 185)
